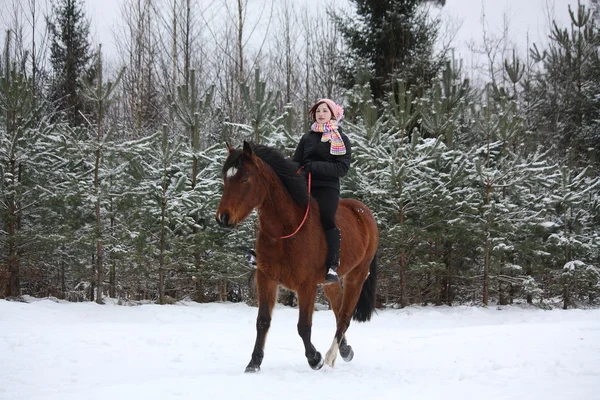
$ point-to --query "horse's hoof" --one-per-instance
(330, 358)
(252, 369)
(347, 353)
(317, 362)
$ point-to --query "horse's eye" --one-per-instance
(244, 180)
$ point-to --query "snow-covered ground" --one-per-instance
(64, 351)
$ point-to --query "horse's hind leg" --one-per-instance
(267, 295)
(353, 282)
(306, 305)
(334, 294)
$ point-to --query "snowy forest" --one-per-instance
(111, 175)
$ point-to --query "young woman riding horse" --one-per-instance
(326, 153)
(291, 248)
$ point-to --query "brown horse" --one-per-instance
(259, 177)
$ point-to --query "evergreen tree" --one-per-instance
(567, 87)
(392, 38)
(100, 96)
(157, 218)
(18, 119)
(261, 107)
(71, 58)
(195, 113)
(443, 108)
(414, 186)
(573, 245)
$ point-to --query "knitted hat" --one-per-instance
(337, 111)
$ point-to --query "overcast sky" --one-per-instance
(528, 20)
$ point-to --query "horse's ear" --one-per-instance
(229, 148)
(247, 149)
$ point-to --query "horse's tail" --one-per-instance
(366, 301)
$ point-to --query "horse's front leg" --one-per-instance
(306, 306)
(267, 294)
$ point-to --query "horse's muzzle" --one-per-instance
(223, 221)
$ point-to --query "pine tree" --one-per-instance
(24, 151)
(17, 138)
(393, 38)
(568, 86)
(194, 114)
(571, 245)
(100, 96)
(157, 218)
(71, 58)
(409, 182)
(261, 107)
(444, 106)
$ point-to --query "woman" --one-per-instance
(325, 152)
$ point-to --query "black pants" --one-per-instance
(328, 203)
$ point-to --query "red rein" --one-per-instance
(307, 209)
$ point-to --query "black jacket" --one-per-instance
(326, 168)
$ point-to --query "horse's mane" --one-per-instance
(284, 168)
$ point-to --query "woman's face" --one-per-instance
(322, 113)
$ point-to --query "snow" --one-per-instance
(572, 265)
(51, 350)
(549, 224)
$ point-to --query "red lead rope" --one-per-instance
(305, 214)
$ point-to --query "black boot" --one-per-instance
(333, 254)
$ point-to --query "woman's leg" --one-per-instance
(328, 199)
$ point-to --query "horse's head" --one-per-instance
(243, 191)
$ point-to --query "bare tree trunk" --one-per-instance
(223, 290)
(186, 44)
(501, 295)
(99, 246)
(488, 189)
(136, 42)
(438, 286)
(97, 190)
(402, 261)
(34, 15)
(200, 296)
(163, 226)
(161, 258)
(174, 48)
(195, 142)
(448, 262)
(93, 278)
(161, 283)
(113, 281)
(240, 43)
(307, 99)
(488, 245)
(14, 289)
(288, 43)
(63, 286)
(32, 8)
(13, 286)
(112, 268)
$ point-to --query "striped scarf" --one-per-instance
(331, 134)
